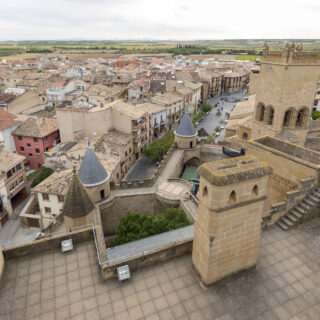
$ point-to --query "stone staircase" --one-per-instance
(301, 211)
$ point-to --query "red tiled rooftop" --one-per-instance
(7, 120)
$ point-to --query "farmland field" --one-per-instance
(243, 49)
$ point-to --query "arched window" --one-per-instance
(245, 136)
(232, 197)
(260, 111)
(302, 118)
(205, 191)
(255, 190)
(286, 119)
(269, 115)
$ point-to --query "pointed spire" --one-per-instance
(77, 203)
(92, 172)
(186, 128)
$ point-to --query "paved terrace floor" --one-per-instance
(285, 285)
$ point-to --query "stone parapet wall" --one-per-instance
(314, 125)
(119, 207)
(49, 243)
(148, 251)
(109, 272)
(283, 183)
(290, 150)
(293, 197)
(135, 184)
(289, 167)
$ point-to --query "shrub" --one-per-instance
(316, 114)
(198, 116)
(157, 149)
(39, 175)
(205, 107)
(137, 226)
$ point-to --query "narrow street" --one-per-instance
(225, 104)
(13, 232)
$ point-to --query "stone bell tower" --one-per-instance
(232, 195)
(285, 90)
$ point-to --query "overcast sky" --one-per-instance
(161, 19)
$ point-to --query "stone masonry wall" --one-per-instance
(234, 247)
(112, 212)
(284, 167)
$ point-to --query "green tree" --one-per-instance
(138, 226)
(157, 149)
(315, 114)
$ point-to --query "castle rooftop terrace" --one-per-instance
(52, 285)
(233, 170)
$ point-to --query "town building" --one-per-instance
(34, 137)
(8, 123)
(138, 90)
(49, 196)
(57, 92)
(13, 183)
(157, 118)
(130, 120)
(173, 103)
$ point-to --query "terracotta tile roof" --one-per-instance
(7, 120)
(37, 127)
(57, 183)
(6, 98)
(9, 159)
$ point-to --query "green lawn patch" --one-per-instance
(137, 226)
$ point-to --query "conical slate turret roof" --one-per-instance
(186, 128)
(77, 203)
(91, 171)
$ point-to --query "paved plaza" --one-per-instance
(53, 286)
(174, 190)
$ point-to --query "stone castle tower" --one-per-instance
(227, 232)
(285, 91)
(94, 177)
(78, 209)
(186, 135)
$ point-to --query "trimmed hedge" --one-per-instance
(137, 226)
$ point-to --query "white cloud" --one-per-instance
(165, 19)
